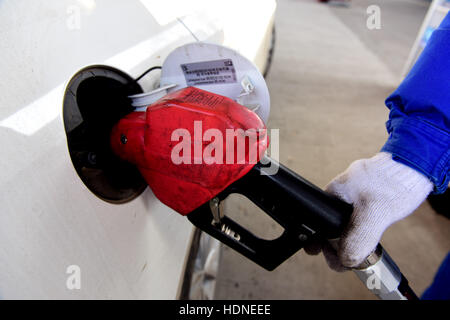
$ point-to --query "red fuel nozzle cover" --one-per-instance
(178, 127)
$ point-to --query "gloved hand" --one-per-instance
(382, 192)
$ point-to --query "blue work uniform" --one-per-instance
(419, 126)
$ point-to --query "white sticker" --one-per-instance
(209, 72)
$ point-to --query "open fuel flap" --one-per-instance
(95, 99)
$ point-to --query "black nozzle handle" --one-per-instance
(293, 201)
(302, 209)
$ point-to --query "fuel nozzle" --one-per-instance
(187, 145)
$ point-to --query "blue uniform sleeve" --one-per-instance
(439, 289)
(419, 118)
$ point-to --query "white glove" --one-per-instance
(382, 192)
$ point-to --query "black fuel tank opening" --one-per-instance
(96, 98)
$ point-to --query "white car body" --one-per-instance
(52, 228)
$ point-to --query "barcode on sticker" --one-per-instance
(209, 72)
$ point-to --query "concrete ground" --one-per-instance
(328, 82)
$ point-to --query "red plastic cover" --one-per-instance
(191, 145)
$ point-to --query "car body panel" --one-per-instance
(49, 220)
